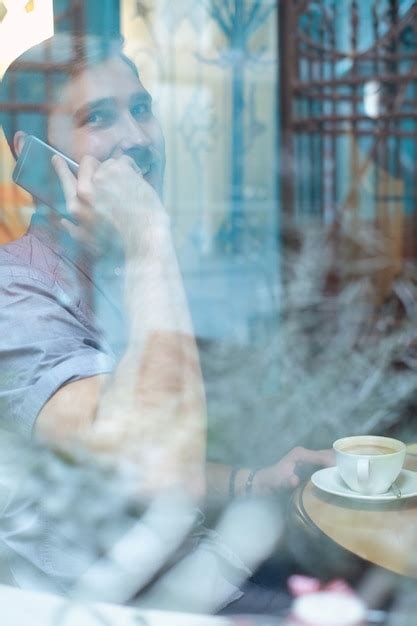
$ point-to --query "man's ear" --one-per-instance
(18, 141)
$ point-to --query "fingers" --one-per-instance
(130, 162)
(88, 167)
(77, 190)
(294, 480)
(317, 457)
(105, 194)
(87, 170)
(120, 163)
(293, 468)
(66, 177)
(327, 457)
(323, 457)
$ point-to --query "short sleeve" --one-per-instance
(46, 342)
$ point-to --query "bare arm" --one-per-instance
(151, 410)
(283, 474)
(71, 410)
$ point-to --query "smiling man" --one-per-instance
(97, 347)
(105, 112)
(97, 341)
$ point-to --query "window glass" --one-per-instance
(208, 309)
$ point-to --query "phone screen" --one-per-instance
(36, 174)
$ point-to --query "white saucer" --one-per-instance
(330, 481)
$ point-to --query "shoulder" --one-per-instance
(28, 258)
(36, 280)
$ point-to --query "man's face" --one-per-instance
(106, 112)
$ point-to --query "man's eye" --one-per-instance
(141, 110)
(99, 118)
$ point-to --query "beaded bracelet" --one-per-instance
(232, 479)
(249, 482)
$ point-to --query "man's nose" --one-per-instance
(133, 133)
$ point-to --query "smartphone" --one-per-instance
(36, 174)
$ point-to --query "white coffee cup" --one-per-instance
(369, 464)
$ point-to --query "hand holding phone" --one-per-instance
(35, 173)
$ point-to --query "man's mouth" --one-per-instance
(144, 158)
(146, 170)
(148, 166)
(149, 162)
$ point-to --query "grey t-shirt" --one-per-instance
(60, 321)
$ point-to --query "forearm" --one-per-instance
(225, 482)
(150, 410)
(153, 406)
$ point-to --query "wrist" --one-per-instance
(151, 239)
(243, 482)
(263, 480)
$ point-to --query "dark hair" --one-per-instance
(31, 84)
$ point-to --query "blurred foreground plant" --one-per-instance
(340, 359)
(74, 524)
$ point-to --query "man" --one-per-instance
(101, 116)
(98, 348)
(67, 381)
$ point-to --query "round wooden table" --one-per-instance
(383, 533)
